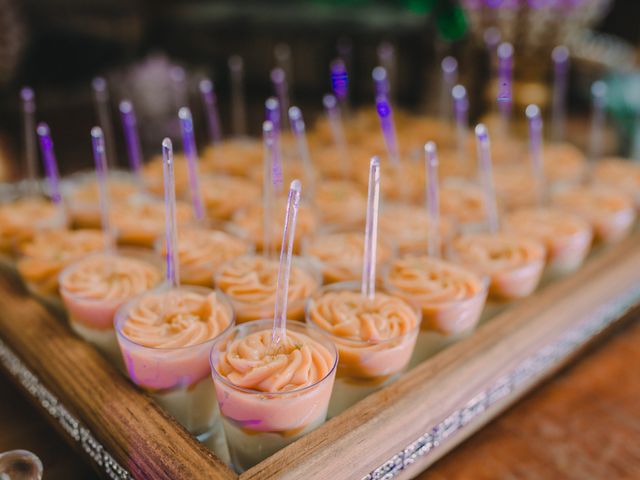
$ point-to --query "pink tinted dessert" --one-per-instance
(407, 228)
(201, 252)
(340, 203)
(611, 213)
(233, 157)
(620, 174)
(21, 219)
(566, 236)
(250, 284)
(141, 222)
(270, 396)
(464, 202)
(340, 255)
(564, 164)
(375, 339)
(251, 221)
(43, 258)
(166, 337)
(450, 296)
(94, 287)
(514, 264)
(82, 197)
(223, 196)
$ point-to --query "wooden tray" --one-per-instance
(393, 433)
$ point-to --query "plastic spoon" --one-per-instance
(191, 153)
(433, 199)
(485, 173)
(279, 333)
(371, 231)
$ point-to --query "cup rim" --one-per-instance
(355, 286)
(269, 325)
(120, 317)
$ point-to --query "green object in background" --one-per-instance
(448, 14)
(624, 105)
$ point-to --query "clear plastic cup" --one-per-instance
(250, 284)
(91, 315)
(566, 237)
(258, 423)
(176, 375)
(22, 218)
(47, 254)
(365, 365)
(514, 264)
(450, 297)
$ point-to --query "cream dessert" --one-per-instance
(152, 175)
(407, 228)
(94, 287)
(21, 219)
(223, 196)
(620, 174)
(270, 396)
(515, 187)
(375, 339)
(450, 297)
(43, 258)
(514, 264)
(250, 284)
(611, 213)
(235, 157)
(404, 183)
(82, 197)
(340, 255)
(566, 237)
(201, 252)
(340, 204)
(465, 203)
(142, 221)
(251, 222)
(564, 164)
(166, 336)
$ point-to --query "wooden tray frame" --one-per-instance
(393, 433)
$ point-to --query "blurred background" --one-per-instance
(155, 52)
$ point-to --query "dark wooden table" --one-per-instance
(582, 424)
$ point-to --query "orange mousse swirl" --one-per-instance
(407, 227)
(492, 253)
(253, 363)
(428, 279)
(347, 314)
(620, 174)
(223, 196)
(340, 203)
(563, 162)
(251, 221)
(141, 223)
(550, 226)
(341, 255)
(176, 318)
(104, 277)
(21, 219)
(252, 280)
(463, 201)
(49, 252)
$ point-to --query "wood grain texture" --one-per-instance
(353, 444)
(138, 434)
(151, 445)
(582, 425)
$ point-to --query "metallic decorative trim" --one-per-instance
(529, 369)
(68, 422)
